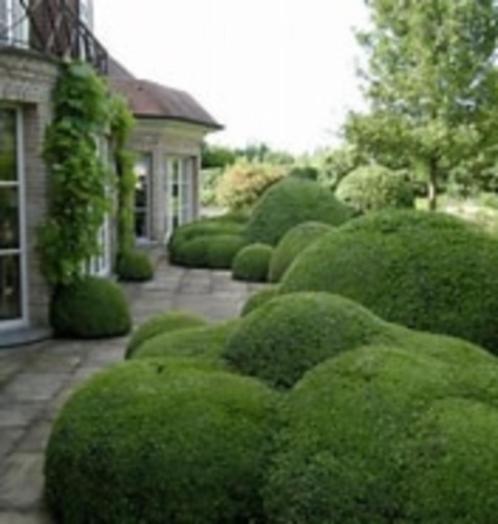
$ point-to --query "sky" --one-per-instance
(281, 72)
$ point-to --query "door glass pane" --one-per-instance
(10, 288)
(143, 173)
(8, 146)
(9, 218)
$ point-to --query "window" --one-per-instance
(14, 24)
(12, 286)
(180, 192)
(143, 172)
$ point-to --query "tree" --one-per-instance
(432, 85)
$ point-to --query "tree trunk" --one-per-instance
(432, 186)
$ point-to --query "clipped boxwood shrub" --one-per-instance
(203, 343)
(258, 299)
(384, 434)
(289, 203)
(424, 270)
(285, 337)
(134, 266)
(90, 308)
(161, 324)
(371, 188)
(293, 244)
(251, 263)
(160, 443)
(222, 250)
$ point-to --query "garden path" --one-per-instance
(35, 381)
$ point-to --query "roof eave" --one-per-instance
(211, 125)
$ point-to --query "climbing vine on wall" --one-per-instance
(81, 183)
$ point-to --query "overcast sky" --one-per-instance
(278, 71)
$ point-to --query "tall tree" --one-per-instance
(433, 86)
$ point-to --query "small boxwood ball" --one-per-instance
(159, 443)
(252, 262)
(203, 343)
(135, 266)
(293, 244)
(427, 271)
(161, 324)
(384, 434)
(90, 308)
(258, 299)
(285, 337)
(290, 203)
(222, 250)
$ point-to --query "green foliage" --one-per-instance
(243, 184)
(252, 262)
(223, 249)
(209, 182)
(424, 270)
(293, 243)
(336, 163)
(134, 266)
(385, 434)
(160, 442)
(371, 188)
(204, 343)
(217, 157)
(285, 337)
(79, 183)
(164, 323)
(289, 203)
(305, 172)
(259, 298)
(90, 308)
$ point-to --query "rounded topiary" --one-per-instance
(388, 435)
(252, 262)
(222, 250)
(371, 188)
(160, 324)
(134, 266)
(160, 442)
(205, 343)
(285, 337)
(424, 270)
(259, 298)
(90, 308)
(293, 244)
(289, 203)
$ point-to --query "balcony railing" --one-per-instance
(51, 27)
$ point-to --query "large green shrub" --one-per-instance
(289, 203)
(424, 270)
(259, 298)
(382, 435)
(293, 244)
(222, 250)
(161, 324)
(90, 308)
(134, 266)
(371, 188)
(205, 343)
(251, 263)
(158, 443)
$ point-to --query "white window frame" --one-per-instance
(23, 320)
(185, 185)
(16, 25)
(147, 210)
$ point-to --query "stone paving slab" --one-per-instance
(36, 381)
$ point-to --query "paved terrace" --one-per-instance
(36, 381)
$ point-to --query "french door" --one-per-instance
(12, 256)
(143, 196)
(180, 192)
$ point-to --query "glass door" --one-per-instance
(179, 189)
(12, 303)
(143, 173)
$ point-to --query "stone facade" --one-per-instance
(27, 81)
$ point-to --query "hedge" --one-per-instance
(372, 188)
(259, 298)
(388, 435)
(134, 266)
(160, 442)
(293, 244)
(252, 263)
(289, 203)
(90, 308)
(161, 324)
(427, 271)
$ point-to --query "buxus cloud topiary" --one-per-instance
(161, 442)
(293, 244)
(427, 271)
(134, 266)
(259, 298)
(252, 262)
(385, 434)
(289, 203)
(90, 308)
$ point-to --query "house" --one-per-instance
(35, 35)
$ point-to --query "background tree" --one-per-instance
(433, 88)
